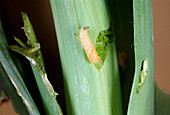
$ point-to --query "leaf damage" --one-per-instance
(31, 50)
(143, 74)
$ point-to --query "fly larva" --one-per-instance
(88, 45)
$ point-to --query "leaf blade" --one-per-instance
(162, 101)
(142, 102)
(14, 75)
(91, 92)
(31, 50)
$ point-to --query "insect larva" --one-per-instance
(88, 45)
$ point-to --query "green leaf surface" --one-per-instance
(14, 75)
(31, 50)
(3, 95)
(9, 88)
(162, 101)
(88, 90)
(142, 94)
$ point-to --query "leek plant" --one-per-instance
(10, 71)
(89, 89)
(119, 32)
(31, 50)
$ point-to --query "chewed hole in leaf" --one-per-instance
(143, 74)
(102, 41)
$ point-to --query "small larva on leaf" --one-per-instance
(88, 45)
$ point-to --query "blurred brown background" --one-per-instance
(161, 19)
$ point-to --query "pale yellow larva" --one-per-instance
(88, 45)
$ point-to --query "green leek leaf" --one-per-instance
(31, 50)
(142, 94)
(10, 90)
(14, 75)
(89, 89)
(162, 101)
